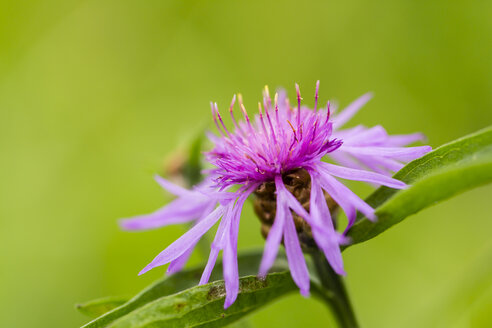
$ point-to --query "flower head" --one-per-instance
(260, 155)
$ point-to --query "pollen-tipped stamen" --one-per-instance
(214, 115)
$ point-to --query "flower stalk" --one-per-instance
(333, 292)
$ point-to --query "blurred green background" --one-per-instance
(95, 94)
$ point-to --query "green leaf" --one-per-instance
(248, 265)
(449, 170)
(98, 307)
(203, 306)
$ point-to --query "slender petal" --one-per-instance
(345, 115)
(217, 244)
(295, 257)
(180, 210)
(230, 267)
(177, 248)
(360, 175)
(171, 187)
(274, 238)
(178, 263)
(345, 198)
(404, 154)
(401, 140)
(326, 239)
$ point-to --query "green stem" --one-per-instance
(334, 293)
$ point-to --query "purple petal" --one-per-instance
(180, 210)
(171, 187)
(274, 236)
(404, 139)
(352, 109)
(403, 154)
(327, 239)
(344, 197)
(230, 268)
(217, 244)
(229, 264)
(382, 165)
(178, 264)
(345, 159)
(180, 246)
(295, 257)
(292, 202)
(364, 136)
(360, 175)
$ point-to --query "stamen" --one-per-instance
(240, 100)
(268, 99)
(314, 130)
(289, 108)
(298, 105)
(271, 126)
(214, 115)
(245, 113)
(316, 97)
(277, 118)
(327, 112)
(293, 130)
(276, 108)
(220, 119)
(261, 119)
(264, 129)
(232, 114)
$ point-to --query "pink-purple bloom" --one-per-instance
(263, 149)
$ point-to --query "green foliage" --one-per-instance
(248, 265)
(203, 306)
(450, 169)
(98, 307)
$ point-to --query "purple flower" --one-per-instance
(264, 150)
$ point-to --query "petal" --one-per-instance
(403, 154)
(295, 257)
(178, 264)
(381, 164)
(345, 159)
(361, 175)
(404, 139)
(230, 268)
(217, 244)
(327, 239)
(365, 136)
(352, 109)
(229, 263)
(171, 187)
(292, 202)
(345, 197)
(180, 210)
(180, 246)
(274, 238)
